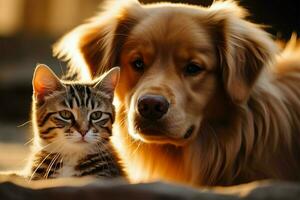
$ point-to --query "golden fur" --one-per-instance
(244, 105)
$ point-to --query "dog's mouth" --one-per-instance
(189, 132)
(159, 134)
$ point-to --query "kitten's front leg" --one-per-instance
(45, 166)
(99, 165)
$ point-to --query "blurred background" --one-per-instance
(28, 28)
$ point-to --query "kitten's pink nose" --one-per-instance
(83, 132)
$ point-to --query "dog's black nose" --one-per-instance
(152, 106)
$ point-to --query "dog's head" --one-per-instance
(180, 65)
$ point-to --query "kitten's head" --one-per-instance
(72, 116)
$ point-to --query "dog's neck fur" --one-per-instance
(231, 153)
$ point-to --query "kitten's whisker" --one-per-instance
(40, 164)
(33, 173)
(52, 143)
(29, 141)
(55, 167)
(24, 124)
(50, 165)
(56, 151)
(49, 168)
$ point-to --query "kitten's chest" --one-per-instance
(67, 171)
(68, 168)
(99, 164)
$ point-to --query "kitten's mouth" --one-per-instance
(82, 141)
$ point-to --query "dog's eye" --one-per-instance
(138, 64)
(192, 69)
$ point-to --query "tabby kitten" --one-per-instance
(72, 125)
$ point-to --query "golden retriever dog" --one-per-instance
(204, 98)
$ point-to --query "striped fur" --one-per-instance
(78, 145)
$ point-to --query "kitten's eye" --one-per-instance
(66, 114)
(138, 64)
(192, 69)
(96, 115)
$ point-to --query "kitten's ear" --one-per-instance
(44, 82)
(108, 81)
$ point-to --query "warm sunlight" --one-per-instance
(149, 99)
(71, 46)
(11, 14)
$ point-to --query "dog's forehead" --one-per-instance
(172, 28)
(192, 10)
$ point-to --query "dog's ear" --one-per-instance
(244, 48)
(93, 47)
